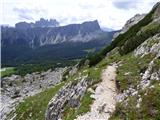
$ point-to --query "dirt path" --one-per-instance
(104, 96)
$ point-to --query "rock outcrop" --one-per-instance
(150, 46)
(70, 95)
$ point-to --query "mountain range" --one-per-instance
(40, 23)
(27, 42)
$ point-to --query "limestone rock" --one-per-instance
(151, 45)
(70, 94)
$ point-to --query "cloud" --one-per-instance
(23, 14)
(83, 6)
(90, 6)
(125, 4)
(25, 17)
(26, 14)
(108, 12)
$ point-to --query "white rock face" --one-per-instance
(76, 38)
(88, 37)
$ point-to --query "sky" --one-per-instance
(109, 13)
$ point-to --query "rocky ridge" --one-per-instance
(40, 36)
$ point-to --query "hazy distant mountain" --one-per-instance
(41, 23)
(107, 29)
(24, 39)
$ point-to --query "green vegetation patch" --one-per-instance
(72, 113)
(7, 72)
(150, 105)
(24, 69)
(156, 66)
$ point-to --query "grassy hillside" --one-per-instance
(129, 75)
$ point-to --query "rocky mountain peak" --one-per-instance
(156, 5)
(83, 28)
(46, 23)
(134, 20)
(40, 23)
(91, 24)
(157, 11)
(138, 17)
